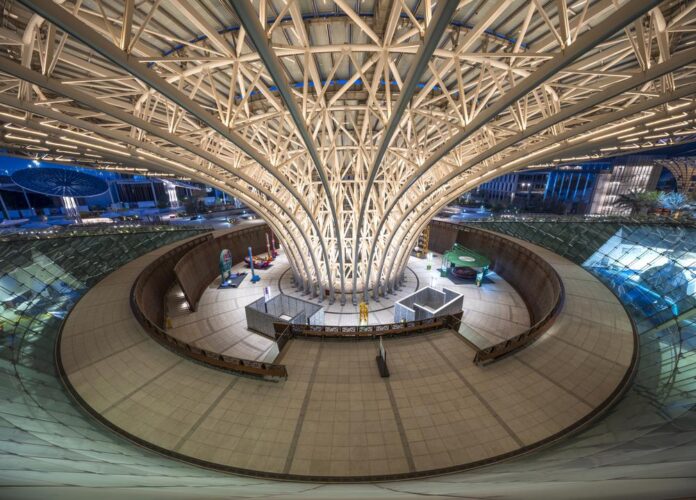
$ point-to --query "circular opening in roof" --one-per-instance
(59, 182)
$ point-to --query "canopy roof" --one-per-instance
(346, 125)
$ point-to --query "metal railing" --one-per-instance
(95, 230)
(286, 331)
(589, 218)
(228, 363)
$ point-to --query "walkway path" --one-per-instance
(334, 416)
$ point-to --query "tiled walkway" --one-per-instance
(335, 416)
(494, 312)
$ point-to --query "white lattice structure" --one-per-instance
(684, 171)
(346, 125)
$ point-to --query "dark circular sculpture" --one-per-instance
(59, 182)
(464, 272)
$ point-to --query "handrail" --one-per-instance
(582, 219)
(222, 361)
(495, 352)
(285, 331)
(254, 368)
(92, 230)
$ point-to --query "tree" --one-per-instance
(637, 201)
(674, 202)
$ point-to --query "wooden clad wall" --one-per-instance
(196, 269)
(442, 236)
(152, 285)
(533, 278)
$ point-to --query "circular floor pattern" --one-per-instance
(335, 419)
(496, 311)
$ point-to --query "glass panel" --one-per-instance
(651, 267)
(47, 435)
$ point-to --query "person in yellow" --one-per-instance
(363, 313)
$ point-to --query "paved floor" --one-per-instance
(335, 416)
(491, 313)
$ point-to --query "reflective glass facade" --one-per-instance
(44, 435)
(651, 267)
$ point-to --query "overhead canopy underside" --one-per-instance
(347, 125)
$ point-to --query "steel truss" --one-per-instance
(347, 130)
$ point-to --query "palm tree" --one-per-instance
(637, 201)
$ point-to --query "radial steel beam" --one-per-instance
(80, 31)
(423, 218)
(151, 164)
(441, 19)
(123, 137)
(582, 148)
(50, 83)
(255, 31)
(676, 61)
(623, 16)
(92, 39)
(617, 21)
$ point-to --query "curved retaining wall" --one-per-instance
(156, 279)
(198, 267)
(151, 286)
(534, 278)
(157, 399)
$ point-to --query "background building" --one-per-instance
(588, 188)
(126, 192)
(628, 174)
